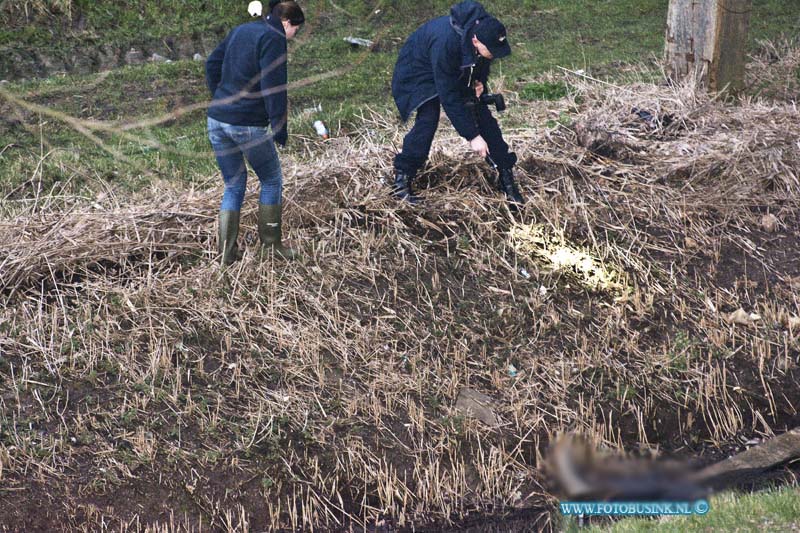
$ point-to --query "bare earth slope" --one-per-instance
(641, 297)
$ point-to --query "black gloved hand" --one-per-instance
(281, 136)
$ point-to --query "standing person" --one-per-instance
(445, 63)
(247, 77)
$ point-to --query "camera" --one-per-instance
(496, 100)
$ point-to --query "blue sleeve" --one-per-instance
(214, 66)
(274, 78)
(451, 94)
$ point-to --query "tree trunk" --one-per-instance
(708, 39)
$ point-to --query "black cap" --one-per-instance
(492, 34)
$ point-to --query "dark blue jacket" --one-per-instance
(439, 60)
(247, 77)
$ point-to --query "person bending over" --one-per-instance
(445, 63)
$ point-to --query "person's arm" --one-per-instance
(452, 94)
(214, 66)
(274, 78)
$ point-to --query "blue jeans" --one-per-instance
(417, 143)
(232, 145)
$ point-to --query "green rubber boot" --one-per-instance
(226, 237)
(269, 231)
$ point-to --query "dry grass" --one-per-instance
(318, 395)
(12, 10)
(774, 70)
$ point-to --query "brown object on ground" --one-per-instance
(474, 404)
(770, 223)
(595, 138)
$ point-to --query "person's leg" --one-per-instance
(499, 154)
(491, 133)
(263, 157)
(234, 173)
(260, 151)
(417, 142)
(416, 147)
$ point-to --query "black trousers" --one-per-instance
(417, 143)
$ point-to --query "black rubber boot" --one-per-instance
(402, 187)
(227, 233)
(507, 185)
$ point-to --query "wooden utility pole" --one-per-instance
(708, 38)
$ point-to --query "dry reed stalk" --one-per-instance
(323, 390)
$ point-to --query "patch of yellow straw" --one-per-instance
(555, 253)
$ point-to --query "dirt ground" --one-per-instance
(146, 389)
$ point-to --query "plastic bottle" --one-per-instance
(322, 129)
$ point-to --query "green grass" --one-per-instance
(545, 33)
(774, 510)
(49, 152)
(594, 35)
(597, 35)
(544, 91)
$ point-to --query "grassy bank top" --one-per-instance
(544, 32)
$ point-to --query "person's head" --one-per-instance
(290, 14)
(490, 40)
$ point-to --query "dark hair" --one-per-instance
(287, 10)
